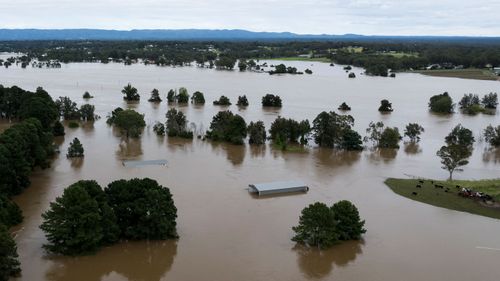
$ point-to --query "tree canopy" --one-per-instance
(177, 124)
(226, 126)
(75, 149)
(284, 131)
(271, 100)
(130, 122)
(442, 103)
(413, 131)
(330, 128)
(256, 133)
(130, 93)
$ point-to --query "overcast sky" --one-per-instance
(370, 17)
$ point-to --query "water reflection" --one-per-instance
(385, 155)
(129, 148)
(412, 148)
(316, 264)
(491, 155)
(76, 162)
(258, 151)
(135, 261)
(334, 157)
(175, 143)
(234, 153)
(88, 128)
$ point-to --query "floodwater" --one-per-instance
(227, 234)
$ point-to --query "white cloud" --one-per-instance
(389, 17)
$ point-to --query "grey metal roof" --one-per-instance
(133, 163)
(279, 185)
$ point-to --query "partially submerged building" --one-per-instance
(278, 187)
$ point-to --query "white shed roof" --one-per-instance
(278, 187)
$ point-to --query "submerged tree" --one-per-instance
(198, 98)
(58, 129)
(492, 135)
(385, 106)
(381, 136)
(413, 131)
(87, 95)
(441, 103)
(271, 100)
(177, 124)
(68, 109)
(80, 221)
(130, 93)
(349, 224)
(223, 100)
(130, 122)
(75, 149)
(329, 128)
(159, 129)
(155, 96)
(344, 107)
(182, 96)
(87, 112)
(144, 209)
(112, 116)
(284, 131)
(490, 101)
(226, 126)
(256, 133)
(171, 96)
(242, 101)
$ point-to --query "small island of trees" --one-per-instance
(271, 100)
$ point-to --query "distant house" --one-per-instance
(496, 70)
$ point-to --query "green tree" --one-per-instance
(144, 209)
(111, 117)
(385, 106)
(329, 128)
(130, 93)
(349, 224)
(87, 112)
(413, 131)
(130, 122)
(58, 129)
(492, 135)
(284, 131)
(171, 96)
(441, 103)
(43, 109)
(453, 156)
(198, 98)
(223, 100)
(159, 129)
(87, 95)
(9, 263)
(177, 124)
(73, 224)
(344, 107)
(242, 101)
(242, 65)
(75, 149)
(182, 96)
(390, 138)
(351, 140)
(68, 109)
(226, 126)
(256, 133)
(10, 214)
(155, 96)
(317, 226)
(490, 101)
(271, 100)
(460, 136)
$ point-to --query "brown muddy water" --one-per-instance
(225, 233)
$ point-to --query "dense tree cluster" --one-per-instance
(322, 226)
(382, 136)
(242, 101)
(282, 69)
(223, 100)
(256, 133)
(128, 121)
(226, 126)
(442, 103)
(285, 131)
(335, 131)
(198, 98)
(471, 104)
(271, 100)
(86, 217)
(176, 125)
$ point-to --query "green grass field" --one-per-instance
(469, 73)
(451, 200)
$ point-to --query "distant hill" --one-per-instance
(208, 34)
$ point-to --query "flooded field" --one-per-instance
(225, 233)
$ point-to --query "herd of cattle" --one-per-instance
(464, 191)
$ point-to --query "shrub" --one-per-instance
(87, 95)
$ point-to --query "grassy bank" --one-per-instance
(450, 200)
(470, 73)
